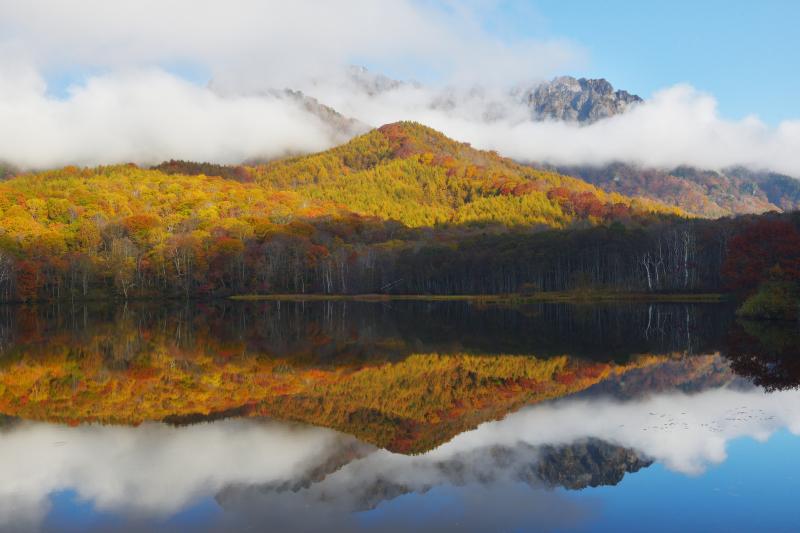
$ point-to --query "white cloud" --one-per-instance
(147, 116)
(677, 126)
(132, 109)
(686, 432)
(276, 40)
(153, 469)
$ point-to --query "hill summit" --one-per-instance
(416, 175)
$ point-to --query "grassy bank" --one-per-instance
(568, 296)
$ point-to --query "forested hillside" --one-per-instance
(417, 176)
(315, 223)
(400, 209)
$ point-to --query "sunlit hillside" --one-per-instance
(294, 225)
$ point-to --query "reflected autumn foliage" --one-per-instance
(766, 352)
(130, 365)
(406, 376)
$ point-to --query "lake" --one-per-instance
(397, 416)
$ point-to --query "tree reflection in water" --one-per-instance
(766, 352)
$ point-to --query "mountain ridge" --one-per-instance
(703, 192)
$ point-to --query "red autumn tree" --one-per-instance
(759, 248)
(27, 280)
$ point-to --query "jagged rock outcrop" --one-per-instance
(590, 463)
(577, 100)
(586, 463)
(373, 83)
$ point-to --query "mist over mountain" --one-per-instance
(136, 88)
(149, 115)
(566, 101)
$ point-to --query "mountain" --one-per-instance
(402, 208)
(703, 192)
(577, 100)
(373, 83)
(563, 98)
(589, 463)
(416, 175)
(706, 193)
(312, 223)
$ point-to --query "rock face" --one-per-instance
(577, 100)
(591, 463)
(372, 83)
(366, 484)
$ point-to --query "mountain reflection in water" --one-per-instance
(339, 415)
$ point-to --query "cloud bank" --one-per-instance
(141, 91)
(677, 126)
(148, 116)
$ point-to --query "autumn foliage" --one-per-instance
(337, 221)
(760, 247)
(127, 373)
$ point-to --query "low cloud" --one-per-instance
(130, 101)
(677, 126)
(148, 116)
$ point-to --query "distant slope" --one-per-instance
(705, 193)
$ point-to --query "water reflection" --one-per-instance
(360, 368)
(155, 470)
(364, 416)
(327, 332)
(767, 353)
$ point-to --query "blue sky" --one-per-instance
(743, 52)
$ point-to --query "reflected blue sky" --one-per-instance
(739, 475)
(753, 490)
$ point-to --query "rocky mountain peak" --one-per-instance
(577, 100)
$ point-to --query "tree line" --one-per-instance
(402, 209)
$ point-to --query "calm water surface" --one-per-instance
(355, 416)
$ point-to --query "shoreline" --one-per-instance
(543, 297)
